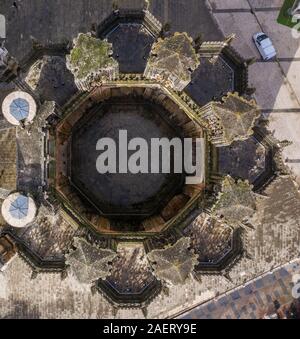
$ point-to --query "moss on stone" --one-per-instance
(174, 59)
(235, 202)
(90, 55)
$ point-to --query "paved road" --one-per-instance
(57, 20)
(276, 82)
(253, 300)
(278, 93)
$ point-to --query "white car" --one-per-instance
(264, 45)
(294, 12)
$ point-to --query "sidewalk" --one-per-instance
(252, 301)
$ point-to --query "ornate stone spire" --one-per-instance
(9, 67)
(91, 61)
(213, 49)
(235, 203)
(146, 5)
(172, 61)
(89, 263)
(231, 120)
(174, 264)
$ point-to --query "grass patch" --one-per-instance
(284, 18)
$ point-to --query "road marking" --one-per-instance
(2, 27)
(280, 60)
(246, 10)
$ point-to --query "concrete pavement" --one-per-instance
(252, 301)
